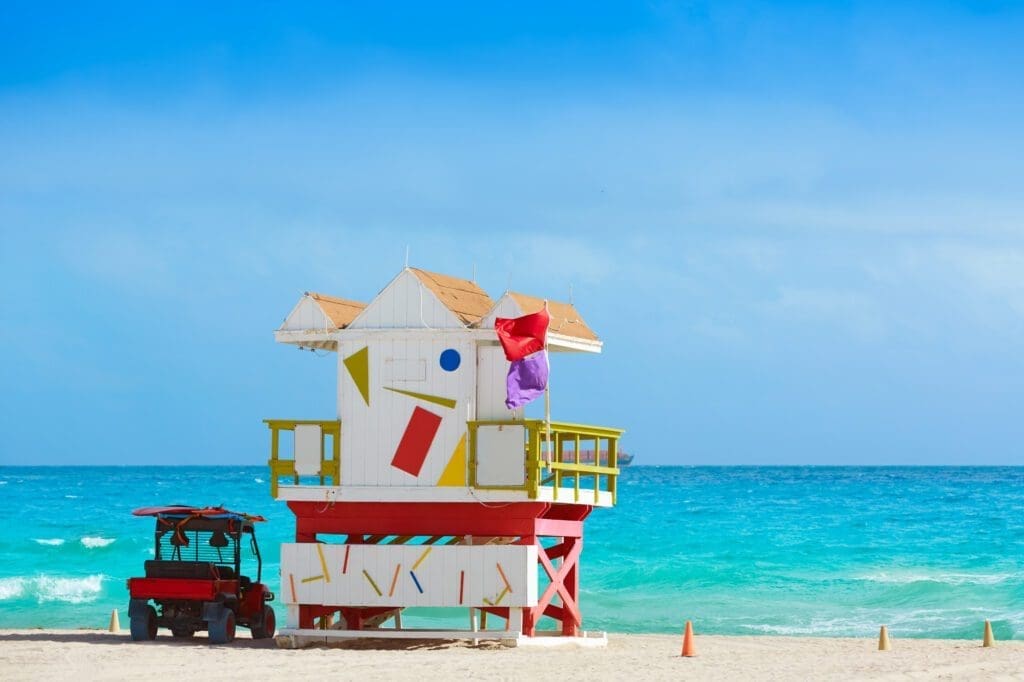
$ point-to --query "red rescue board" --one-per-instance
(415, 444)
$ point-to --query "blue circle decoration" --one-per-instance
(450, 360)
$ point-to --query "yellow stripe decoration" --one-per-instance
(501, 596)
(488, 601)
(358, 366)
(312, 578)
(454, 473)
(373, 584)
(436, 399)
(422, 557)
(323, 562)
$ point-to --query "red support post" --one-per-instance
(571, 583)
(564, 583)
(305, 617)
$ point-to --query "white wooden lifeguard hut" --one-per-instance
(426, 490)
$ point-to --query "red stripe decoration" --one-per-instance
(344, 566)
(508, 586)
(416, 441)
(462, 584)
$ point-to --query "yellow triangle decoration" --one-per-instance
(454, 473)
(436, 399)
(358, 366)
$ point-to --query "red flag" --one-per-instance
(522, 336)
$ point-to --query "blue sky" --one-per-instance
(799, 228)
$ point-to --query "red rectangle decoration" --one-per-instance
(416, 441)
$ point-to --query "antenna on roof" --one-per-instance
(570, 294)
(474, 274)
(508, 286)
(407, 255)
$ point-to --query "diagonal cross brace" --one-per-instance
(557, 585)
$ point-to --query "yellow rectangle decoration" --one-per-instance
(373, 584)
(323, 562)
(422, 557)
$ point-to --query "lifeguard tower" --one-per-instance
(427, 490)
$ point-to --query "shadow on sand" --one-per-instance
(165, 639)
(123, 638)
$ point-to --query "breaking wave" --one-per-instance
(46, 588)
(92, 542)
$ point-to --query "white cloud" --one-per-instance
(132, 259)
(717, 331)
(995, 273)
(558, 258)
(850, 310)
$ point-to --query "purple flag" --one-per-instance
(527, 379)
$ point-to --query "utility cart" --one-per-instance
(195, 580)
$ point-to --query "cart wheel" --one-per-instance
(222, 630)
(267, 625)
(144, 627)
(182, 633)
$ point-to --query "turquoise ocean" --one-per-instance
(932, 552)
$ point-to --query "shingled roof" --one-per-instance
(339, 311)
(565, 319)
(463, 297)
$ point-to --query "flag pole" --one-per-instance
(549, 454)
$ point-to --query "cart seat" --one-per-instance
(195, 570)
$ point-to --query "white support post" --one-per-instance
(550, 452)
(515, 620)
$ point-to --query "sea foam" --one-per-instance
(92, 542)
(11, 588)
(53, 542)
(949, 578)
(70, 590)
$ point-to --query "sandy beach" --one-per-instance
(97, 655)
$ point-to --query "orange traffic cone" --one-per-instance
(989, 639)
(883, 639)
(688, 648)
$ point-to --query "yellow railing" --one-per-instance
(329, 468)
(546, 466)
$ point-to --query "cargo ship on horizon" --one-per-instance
(587, 457)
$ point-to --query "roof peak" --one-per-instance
(340, 311)
(461, 296)
(565, 319)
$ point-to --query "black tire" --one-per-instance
(222, 630)
(143, 627)
(267, 625)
